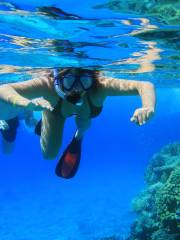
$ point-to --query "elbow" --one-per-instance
(148, 85)
(145, 87)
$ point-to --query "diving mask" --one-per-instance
(65, 84)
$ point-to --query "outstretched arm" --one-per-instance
(9, 95)
(21, 94)
(118, 87)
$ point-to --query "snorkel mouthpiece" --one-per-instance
(75, 98)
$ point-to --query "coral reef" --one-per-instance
(168, 203)
(158, 205)
(166, 10)
(163, 163)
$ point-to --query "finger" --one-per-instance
(144, 117)
(134, 119)
(140, 119)
(47, 104)
(150, 114)
(48, 107)
(43, 104)
(38, 105)
(35, 102)
(40, 102)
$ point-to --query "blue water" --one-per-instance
(35, 204)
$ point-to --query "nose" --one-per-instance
(77, 88)
(77, 85)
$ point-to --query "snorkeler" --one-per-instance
(61, 93)
(8, 128)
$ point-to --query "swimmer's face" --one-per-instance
(75, 93)
(77, 82)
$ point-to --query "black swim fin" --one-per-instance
(69, 162)
(10, 134)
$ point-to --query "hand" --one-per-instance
(39, 104)
(142, 115)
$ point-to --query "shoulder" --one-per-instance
(44, 78)
(41, 79)
(105, 82)
(97, 93)
(41, 84)
(111, 86)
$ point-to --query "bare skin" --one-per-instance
(39, 94)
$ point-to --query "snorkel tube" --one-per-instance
(72, 98)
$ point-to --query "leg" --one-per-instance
(82, 125)
(9, 135)
(7, 147)
(30, 119)
(51, 134)
(69, 162)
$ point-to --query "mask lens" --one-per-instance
(86, 81)
(68, 81)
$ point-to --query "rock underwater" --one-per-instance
(166, 10)
(158, 205)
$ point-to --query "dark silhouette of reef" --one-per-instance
(167, 11)
(158, 205)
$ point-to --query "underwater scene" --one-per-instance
(120, 180)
